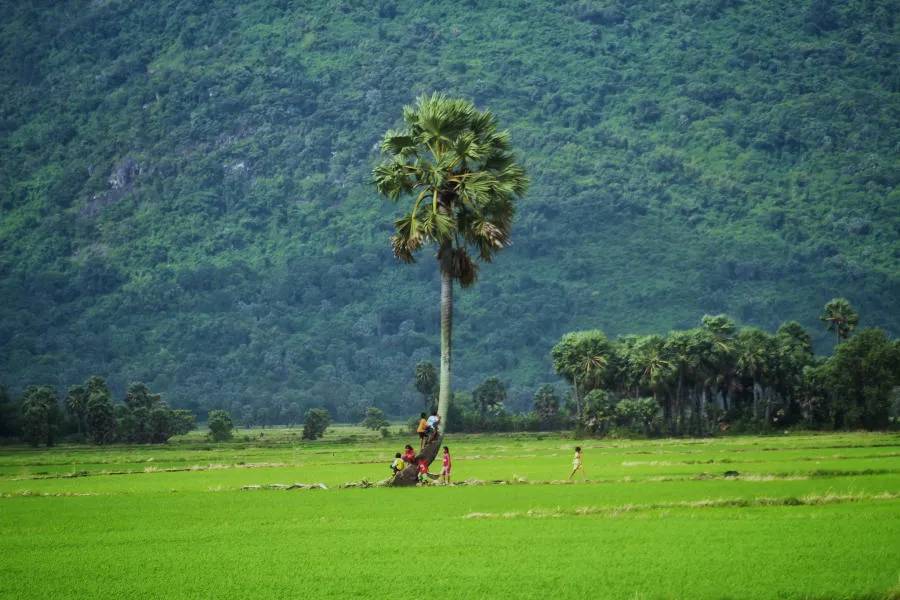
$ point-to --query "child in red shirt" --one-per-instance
(409, 456)
(423, 475)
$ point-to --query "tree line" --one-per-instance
(710, 379)
(88, 414)
(707, 380)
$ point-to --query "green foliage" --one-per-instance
(10, 417)
(841, 319)
(546, 404)
(583, 359)
(100, 415)
(186, 200)
(317, 421)
(489, 395)
(221, 428)
(860, 378)
(640, 412)
(40, 414)
(374, 419)
(427, 384)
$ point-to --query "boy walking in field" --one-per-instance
(576, 465)
(445, 469)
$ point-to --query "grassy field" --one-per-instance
(796, 516)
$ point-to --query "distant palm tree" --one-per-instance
(841, 318)
(755, 355)
(459, 169)
(427, 383)
(582, 358)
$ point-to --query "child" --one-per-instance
(576, 464)
(398, 464)
(409, 456)
(421, 430)
(431, 425)
(445, 470)
(424, 476)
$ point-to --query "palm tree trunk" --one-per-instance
(446, 334)
(755, 402)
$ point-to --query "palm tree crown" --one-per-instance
(841, 318)
(460, 169)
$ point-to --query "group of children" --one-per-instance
(427, 430)
(409, 457)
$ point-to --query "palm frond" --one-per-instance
(393, 179)
(401, 250)
(401, 143)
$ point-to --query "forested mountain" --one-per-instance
(186, 198)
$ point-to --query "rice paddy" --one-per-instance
(793, 516)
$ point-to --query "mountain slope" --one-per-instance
(185, 197)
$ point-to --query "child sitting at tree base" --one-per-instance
(398, 465)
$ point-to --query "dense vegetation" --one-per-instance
(186, 199)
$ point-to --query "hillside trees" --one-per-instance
(582, 358)
(427, 384)
(142, 417)
(458, 166)
(841, 318)
(489, 395)
(40, 415)
(546, 404)
(718, 376)
(10, 419)
(190, 202)
(860, 379)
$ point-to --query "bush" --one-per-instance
(221, 428)
(375, 419)
(317, 422)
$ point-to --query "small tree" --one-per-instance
(290, 414)
(221, 428)
(840, 318)
(40, 414)
(598, 411)
(101, 418)
(10, 422)
(317, 421)
(375, 419)
(183, 421)
(489, 394)
(546, 404)
(427, 383)
(638, 411)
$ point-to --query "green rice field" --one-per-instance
(790, 516)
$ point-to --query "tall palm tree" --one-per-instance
(755, 355)
(841, 318)
(582, 358)
(653, 370)
(458, 168)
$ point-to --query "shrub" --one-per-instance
(221, 427)
(317, 422)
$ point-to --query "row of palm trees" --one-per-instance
(708, 377)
